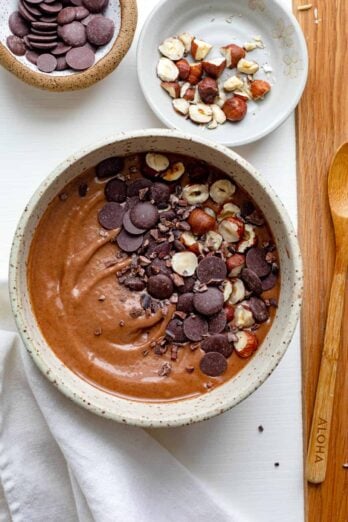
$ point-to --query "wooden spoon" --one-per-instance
(321, 423)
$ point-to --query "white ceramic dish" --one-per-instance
(272, 349)
(220, 22)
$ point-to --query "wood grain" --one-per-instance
(322, 125)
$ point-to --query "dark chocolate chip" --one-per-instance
(42, 38)
(128, 225)
(195, 328)
(135, 283)
(66, 15)
(44, 46)
(81, 12)
(45, 26)
(218, 343)
(115, 190)
(269, 282)
(32, 9)
(61, 63)
(18, 25)
(88, 18)
(137, 185)
(51, 8)
(32, 57)
(160, 286)
(175, 331)
(251, 280)
(80, 58)
(16, 45)
(73, 34)
(256, 260)
(217, 323)
(27, 15)
(144, 215)
(185, 303)
(131, 202)
(94, 6)
(109, 167)
(213, 364)
(46, 63)
(258, 309)
(128, 242)
(211, 269)
(160, 193)
(209, 302)
(100, 30)
(60, 49)
(111, 216)
(44, 33)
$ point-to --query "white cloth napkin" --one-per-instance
(59, 462)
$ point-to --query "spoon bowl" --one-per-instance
(338, 184)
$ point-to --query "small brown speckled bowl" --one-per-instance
(268, 356)
(124, 14)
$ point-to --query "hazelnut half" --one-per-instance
(247, 67)
(200, 221)
(235, 108)
(208, 90)
(184, 69)
(167, 71)
(259, 88)
(195, 194)
(184, 263)
(246, 344)
(172, 88)
(172, 48)
(231, 229)
(196, 72)
(181, 106)
(200, 49)
(214, 68)
(222, 190)
(200, 113)
(233, 53)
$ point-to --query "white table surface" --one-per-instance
(228, 454)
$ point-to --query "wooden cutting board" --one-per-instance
(322, 125)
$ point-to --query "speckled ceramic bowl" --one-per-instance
(260, 366)
(124, 14)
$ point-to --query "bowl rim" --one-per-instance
(66, 388)
(83, 79)
(275, 123)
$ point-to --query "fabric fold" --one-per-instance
(61, 462)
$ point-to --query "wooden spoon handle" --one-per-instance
(321, 423)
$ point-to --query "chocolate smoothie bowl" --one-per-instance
(155, 279)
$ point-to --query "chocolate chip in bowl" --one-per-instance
(186, 309)
(65, 45)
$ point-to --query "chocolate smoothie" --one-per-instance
(154, 277)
